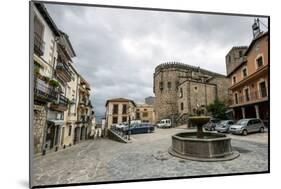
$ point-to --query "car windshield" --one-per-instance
(242, 122)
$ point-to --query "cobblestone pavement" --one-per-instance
(146, 157)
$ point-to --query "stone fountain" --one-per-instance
(202, 146)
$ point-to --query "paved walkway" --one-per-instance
(145, 157)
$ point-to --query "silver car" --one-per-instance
(245, 126)
(224, 125)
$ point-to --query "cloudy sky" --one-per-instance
(118, 49)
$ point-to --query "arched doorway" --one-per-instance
(82, 135)
(76, 135)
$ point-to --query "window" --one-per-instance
(124, 109)
(247, 96)
(244, 72)
(169, 85)
(263, 92)
(181, 93)
(259, 62)
(234, 80)
(177, 85)
(138, 115)
(38, 37)
(161, 85)
(69, 130)
(115, 108)
(251, 122)
(240, 53)
(124, 119)
(182, 106)
(115, 120)
(38, 27)
(144, 114)
(236, 98)
(195, 88)
(229, 58)
(144, 109)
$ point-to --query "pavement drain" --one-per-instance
(182, 161)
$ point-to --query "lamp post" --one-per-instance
(129, 132)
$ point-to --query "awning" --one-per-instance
(56, 122)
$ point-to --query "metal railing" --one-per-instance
(63, 100)
(43, 90)
(251, 97)
(64, 67)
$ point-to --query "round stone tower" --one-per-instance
(166, 79)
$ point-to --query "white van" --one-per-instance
(164, 123)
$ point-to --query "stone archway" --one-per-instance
(76, 135)
(82, 134)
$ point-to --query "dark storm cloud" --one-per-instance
(117, 50)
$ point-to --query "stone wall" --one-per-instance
(39, 123)
(223, 85)
(165, 87)
(198, 86)
(233, 58)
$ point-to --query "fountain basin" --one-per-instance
(209, 147)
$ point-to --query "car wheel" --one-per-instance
(244, 132)
(148, 131)
(261, 129)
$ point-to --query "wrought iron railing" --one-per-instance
(44, 91)
(64, 67)
(250, 97)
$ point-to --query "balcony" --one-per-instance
(63, 72)
(61, 104)
(39, 45)
(253, 97)
(43, 92)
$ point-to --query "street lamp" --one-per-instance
(129, 132)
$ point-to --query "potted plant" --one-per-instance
(54, 83)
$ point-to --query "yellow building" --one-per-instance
(145, 113)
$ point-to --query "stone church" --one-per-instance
(181, 88)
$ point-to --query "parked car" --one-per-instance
(121, 125)
(211, 125)
(224, 125)
(138, 128)
(164, 123)
(245, 126)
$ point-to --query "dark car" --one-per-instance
(139, 128)
(211, 125)
(224, 125)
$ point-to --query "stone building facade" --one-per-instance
(39, 124)
(234, 57)
(180, 88)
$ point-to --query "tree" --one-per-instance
(217, 109)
